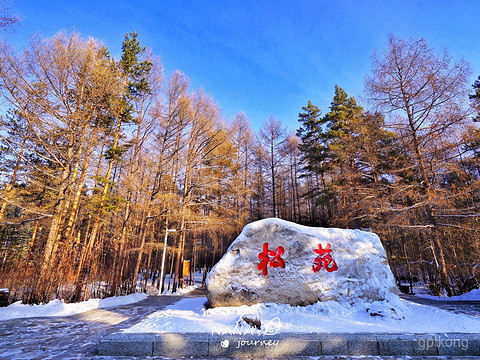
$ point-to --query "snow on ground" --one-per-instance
(181, 291)
(60, 308)
(190, 315)
(473, 295)
(151, 289)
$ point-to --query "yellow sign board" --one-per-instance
(186, 272)
(186, 268)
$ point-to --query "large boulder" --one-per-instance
(273, 260)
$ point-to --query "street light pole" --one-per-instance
(163, 258)
(194, 255)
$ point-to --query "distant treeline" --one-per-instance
(100, 156)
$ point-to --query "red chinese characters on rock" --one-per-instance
(324, 259)
(271, 257)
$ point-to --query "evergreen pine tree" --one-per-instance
(476, 99)
(315, 155)
(341, 121)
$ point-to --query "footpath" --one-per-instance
(96, 335)
(77, 336)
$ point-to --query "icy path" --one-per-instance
(76, 336)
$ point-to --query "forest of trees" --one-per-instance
(100, 156)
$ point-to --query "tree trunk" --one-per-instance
(9, 187)
(438, 250)
(85, 253)
(143, 234)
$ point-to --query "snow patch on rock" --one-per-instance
(363, 273)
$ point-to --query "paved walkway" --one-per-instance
(459, 307)
(78, 336)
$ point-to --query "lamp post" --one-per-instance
(194, 255)
(163, 257)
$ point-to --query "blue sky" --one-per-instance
(264, 57)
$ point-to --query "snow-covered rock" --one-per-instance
(317, 264)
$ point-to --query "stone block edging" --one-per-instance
(289, 344)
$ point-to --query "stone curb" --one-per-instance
(288, 344)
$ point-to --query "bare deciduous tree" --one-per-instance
(425, 94)
(7, 19)
(63, 87)
(272, 137)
